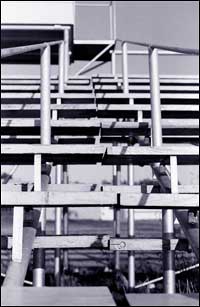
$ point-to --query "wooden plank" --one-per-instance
(127, 200)
(99, 81)
(27, 87)
(27, 122)
(99, 242)
(66, 107)
(91, 154)
(178, 150)
(31, 95)
(136, 80)
(169, 88)
(154, 200)
(162, 76)
(163, 299)
(72, 241)
(33, 81)
(104, 123)
(155, 151)
(59, 198)
(144, 107)
(166, 124)
(130, 244)
(181, 96)
(57, 296)
(18, 223)
(79, 187)
(108, 75)
(147, 188)
(52, 149)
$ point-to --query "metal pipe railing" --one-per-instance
(45, 128)
(7, 52)
(161, 47)
(145, 52)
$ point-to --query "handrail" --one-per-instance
(161, 47)
(145, 52)
(7, 52)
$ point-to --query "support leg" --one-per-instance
(131, 234)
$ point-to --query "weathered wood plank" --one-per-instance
(52, 149)
(163, 299)
(169, 88)
(105, 124)
(130, 244)
(159, 200)
(135, 200)
(100, 87)
(57, 296)
(16, 95)
(99, 242)
(72, 241)
(166, 124)
(146, 107)
(78, 187)
(155, 151)
(31, 95)
(178, 150)
(28, 122)
(181, 96)
(100, 107)
(66, 107)
(27, 87)
(59, 198)
(18, 223)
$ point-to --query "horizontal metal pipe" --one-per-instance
(7, 52)
(161, 47)
(145, 52)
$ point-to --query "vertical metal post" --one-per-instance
(155, 98)
(131, 234)
(59, 168)
(45, 132)
(67, 58)
(45, 115)
(125, 67)
(113, 63)
(65, 219)
(61, 67)
(167, 215)
(131, 227)
(58, 230)
(168, 233)
(38, 254)
(117, 215)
